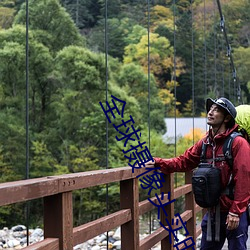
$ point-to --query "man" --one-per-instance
(221, 115)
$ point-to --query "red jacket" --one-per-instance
(241, 167)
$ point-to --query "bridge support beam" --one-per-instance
(129, 198)
(168, 186)
(190, 205)
(58, 219)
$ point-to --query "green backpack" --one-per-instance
(243, 120)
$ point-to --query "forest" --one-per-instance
(162, 57)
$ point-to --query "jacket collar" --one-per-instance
(221, 136)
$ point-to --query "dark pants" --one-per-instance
(237, 238)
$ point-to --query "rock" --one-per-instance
(81, 246)
(111, 240)
(103, 243)
(23, 240)
(117, 245)
(3, 233)
(18, 247)
(18, 234)
(117, 235)
(91, 242)
(111, 233)
(95, 248)
(38, 232)
(13, 243)
(100, 238)
(18, 228)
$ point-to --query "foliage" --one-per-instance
(84, 13)
(137, 84)
(161, 16)
(6, 17)
(242, 63)
(189, 139)
(53, 25)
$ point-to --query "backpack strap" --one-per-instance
(227, 148)
(203, 152)
(227, 151)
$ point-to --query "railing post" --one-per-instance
(190, 205)
(129, 198)
(58, 219)
(168, 186)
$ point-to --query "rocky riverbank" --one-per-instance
(16, 238)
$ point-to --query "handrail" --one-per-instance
(56, 192)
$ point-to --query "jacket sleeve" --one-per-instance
(185, 162)
(241, 175)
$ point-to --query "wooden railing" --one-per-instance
(56, 192)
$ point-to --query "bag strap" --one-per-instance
(227, 151)
(203, 152)
(227, 148)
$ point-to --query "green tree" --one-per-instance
(118, 31)
(6, 17)
(84, 13)
(241, 56)
(135, 82)
(53, 25)
(80, 74)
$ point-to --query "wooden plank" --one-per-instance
(94, 178)
(187, 245)
(46, 244)
(90, 230)
(58, 219)
(182, 190)
(146, 206)
(24, 190)
(152, 239)
(190, 205)
(168, 186)
(198, 208)
(186, 215)
(129, 196)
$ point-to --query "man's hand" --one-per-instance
(232, 222)
(150, 164)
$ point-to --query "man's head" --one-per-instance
(225, 107)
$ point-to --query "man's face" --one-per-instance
(215, 116)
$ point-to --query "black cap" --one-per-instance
(223, 103)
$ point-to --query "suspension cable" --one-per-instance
(106, 82)
(205, 49)
(192, 77)
(27, 207)
(175, 88)
(215, 51)
(221, 68)
(149, 121)
(229, 53)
